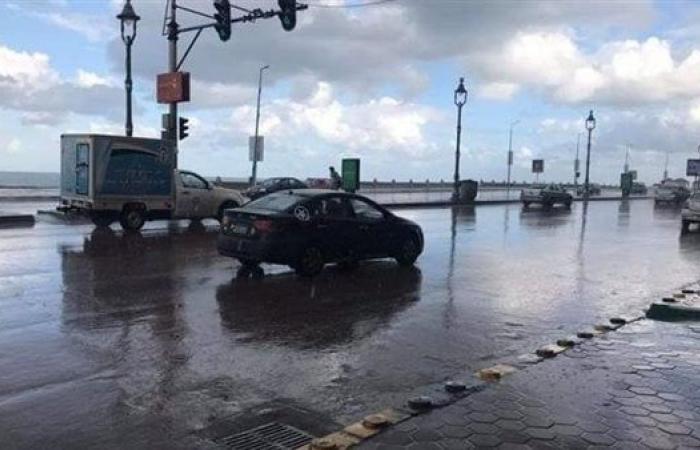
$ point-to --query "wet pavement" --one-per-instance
(143, 341)
(636, 388)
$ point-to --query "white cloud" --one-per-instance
(27, 71)
(619, 73)
(498, 90)
(29, 84)
(89, 79)
(14, 146)
(93, 28)
(386, 125)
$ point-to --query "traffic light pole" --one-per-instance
(172, 67)
(223, 21)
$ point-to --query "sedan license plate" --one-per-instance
(237, 228)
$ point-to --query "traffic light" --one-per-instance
(288, 14)
(184, 128)
(223, 19)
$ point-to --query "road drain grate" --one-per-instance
(271, 436)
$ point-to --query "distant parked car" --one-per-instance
(593, 189)
(547, 196)
(273, 185)
(319, 183)
(691, 212)
(670, 191)
(307, 228)
(638, 188)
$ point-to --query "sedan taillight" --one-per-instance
(263, 226)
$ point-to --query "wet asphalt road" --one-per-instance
(137, 341)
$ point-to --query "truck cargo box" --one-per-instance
(101, 171)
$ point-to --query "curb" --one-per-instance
(680, 306)
(438, 396)
(10, 220)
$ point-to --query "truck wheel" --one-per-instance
(226, 205)
(547, 204)
(101, 220)
(132, 219)
(685, 226)
(568, 204)
(310, 262)
(407, 252)
(526, 205)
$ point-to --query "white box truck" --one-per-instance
(132, 180)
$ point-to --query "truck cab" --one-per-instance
(132, 180)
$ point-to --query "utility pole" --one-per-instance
(510, 155)
(626, 168)
(257, 126)
(666, 168)
(172, 68)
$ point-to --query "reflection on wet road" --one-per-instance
(112, 340)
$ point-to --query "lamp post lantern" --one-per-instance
(460, 99)
(128, 20)
(577, 163)
(257, 126)
(590, 125)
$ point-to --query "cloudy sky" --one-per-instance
(374, 82)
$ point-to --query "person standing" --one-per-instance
(336, 180)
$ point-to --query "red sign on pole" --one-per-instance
(173, 87)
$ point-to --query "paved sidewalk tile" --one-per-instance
(635, 388)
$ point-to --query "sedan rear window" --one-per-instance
(276, 202)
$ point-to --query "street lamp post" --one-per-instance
(577, 163)
(510, 155)
(257, 126)
(590, 125)
(460, 99)
(128, 20)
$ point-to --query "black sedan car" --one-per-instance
(273, 185)
(307, 228)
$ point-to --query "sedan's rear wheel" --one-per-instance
(310, 262)
(407, 253)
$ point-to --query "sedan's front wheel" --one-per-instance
(310, 262)
(407, 253)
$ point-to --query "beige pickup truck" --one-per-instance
(132, 180)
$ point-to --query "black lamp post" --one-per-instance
(590, 125)
(128, 19)
(460, 100)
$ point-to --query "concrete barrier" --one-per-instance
(16, 220)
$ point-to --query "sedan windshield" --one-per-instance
(275, 202)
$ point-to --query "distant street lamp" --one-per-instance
(460, 100)
(128, 19)
(510, 155)
(590, 125)
(257, 126)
